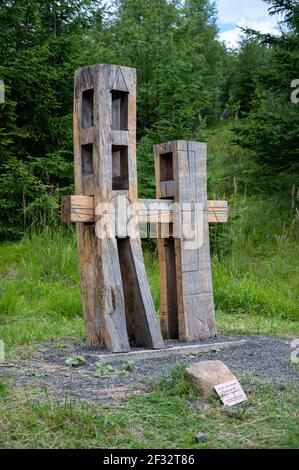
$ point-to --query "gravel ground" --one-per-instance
(264, 358)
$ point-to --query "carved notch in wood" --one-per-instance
(120, 168)
(87, 109)
(119, 110)
(166, 167)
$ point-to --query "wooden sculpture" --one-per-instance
(118, 307)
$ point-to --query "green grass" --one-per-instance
(255, 274)
(40, 294)
(39, 289)
(167, 417)
(255, 255)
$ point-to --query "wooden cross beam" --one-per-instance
(81, 209)
(186, 305)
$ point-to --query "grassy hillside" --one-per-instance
(255, 255)
(255, 262)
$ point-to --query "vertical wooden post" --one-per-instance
(187, 305)
(118, 306)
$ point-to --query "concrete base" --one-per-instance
(143, 354)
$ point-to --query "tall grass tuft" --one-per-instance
(39, 288)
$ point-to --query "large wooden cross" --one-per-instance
(118, 307)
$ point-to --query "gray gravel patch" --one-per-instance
(261, 357)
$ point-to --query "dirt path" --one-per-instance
(266, 358)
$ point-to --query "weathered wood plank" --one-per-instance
(115, 291)
(120, 137)
(102, 293)
(194, 311)
(81, 209)
(142, 324)
(199, 315)
(77, 209)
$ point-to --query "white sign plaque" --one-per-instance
(231, 393)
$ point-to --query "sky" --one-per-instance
(250, 13)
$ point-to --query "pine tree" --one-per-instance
(271, 129)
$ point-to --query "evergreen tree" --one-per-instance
(39, 52)
(271, 129)
(173, 45)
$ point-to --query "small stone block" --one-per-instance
(206, 374)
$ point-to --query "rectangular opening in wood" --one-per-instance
(120, 168)
(87, 109)
(171, 286)
(119, 110)
(86, 160)
(136, 321)
(166, 167)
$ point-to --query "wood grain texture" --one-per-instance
(77, 209)
(101, 282)
(101, 289)
(115, 291)
(81, 209)
(194, 294)
(118, 306)
(142, 323)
